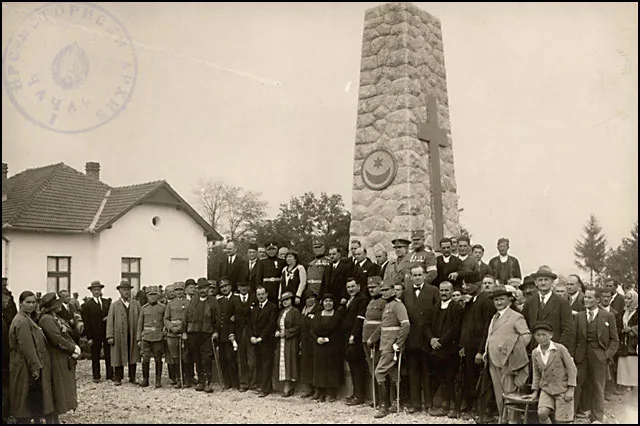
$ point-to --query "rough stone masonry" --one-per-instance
(402, 63)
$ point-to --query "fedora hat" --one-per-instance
(286, 295)
(544, 271)
(124, 284)
(500, 291)
(203, 282)
(528, 281)
(96, 284)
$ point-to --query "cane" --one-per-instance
(216, 352)
(399, 359)
(180, 356)
(373, 376)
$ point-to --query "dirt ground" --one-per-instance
(105, 403)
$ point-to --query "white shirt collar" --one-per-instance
(552, 346)
(606, 308)
(202, 299)
(262, 304)
(362, 263)
(125, 302)
(501, 313)
(233, 258)
(463, 258)
(545, 298)
(595, 312)
(445, 305)
(97, 300)
(503, 259)
(446, 259)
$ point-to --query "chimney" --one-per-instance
(5, 173)
(92, 170)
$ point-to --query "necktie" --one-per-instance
(244, 299)
(251, 264)
(230, 258)
(99, 303)
(542, 303)
(591, 315)
(496, 317)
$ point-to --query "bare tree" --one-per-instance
(212, 197)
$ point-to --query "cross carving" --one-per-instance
(436, 137)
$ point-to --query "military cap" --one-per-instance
(375, 280)
(124, 284)
(224, 281)
(542, 326)
(317, 242)
(253, 246)
(401, 242)
(271, 244)
(189, 281)
(179, 285)
(417, 234)
(153, 289)
(203, 282)
(472, 277)
(386, 285)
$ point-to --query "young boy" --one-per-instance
(554, 376)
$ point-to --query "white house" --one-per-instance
(63, 229)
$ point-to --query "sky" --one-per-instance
(543, 107)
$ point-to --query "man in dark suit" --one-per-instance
(262, 326)
(549, 307)
(476, 317)
(352, 322)
(232, 266)
(504, 266)
(250, 267)
(596, 343)
(617, 300)
(363, 268)
(477, 251)
(70, 315)
(339, 272)
(422, 301)
(448, 266)
(575, 293)
(355, 244)
(444, 355)
(94, 316)
(469, 263)
(381, 261)
(225, 336)
(269, 272)
(242, 303)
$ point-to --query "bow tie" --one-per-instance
(417, 287)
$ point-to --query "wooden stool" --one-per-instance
(518, 403)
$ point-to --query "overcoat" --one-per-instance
(328, 365)
(63, 367)
(287, 344)
(119, 325)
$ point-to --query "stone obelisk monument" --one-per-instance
(403, 167)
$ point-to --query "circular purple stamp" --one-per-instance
(70, 67)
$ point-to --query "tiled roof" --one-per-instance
(60, 198)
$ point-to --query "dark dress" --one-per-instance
(327, 358)
(29, 353)
(63, 367)
(307, 345)
(291, 279)
(287, 345)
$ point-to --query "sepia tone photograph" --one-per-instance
(365, 212)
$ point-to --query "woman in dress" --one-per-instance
(64, 353)
(327, 356)
(307, 342)
(294, 277)
(628, 350)
(29, 365)
(288, 335)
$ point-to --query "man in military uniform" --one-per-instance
(394, 329)
(173, 317)
(318, 270)
(371, 328)
(170, 294)
(269, 272)
(226, 337)
(150, 335)
(420, 257)
(396, 269)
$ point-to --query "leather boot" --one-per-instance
(207, 387)
(173, 373)
(391, 396)
(383, 409)
(158, 374)
(145, 375)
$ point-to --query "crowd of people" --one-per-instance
(442, 332)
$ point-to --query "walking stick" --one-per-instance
(216, 352)
(180, 356)
(373, 376)
(399, 359)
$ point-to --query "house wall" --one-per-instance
(98, 257)
(178, 236)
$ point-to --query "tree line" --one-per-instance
(240, 215)
(592, 255)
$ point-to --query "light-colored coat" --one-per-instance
(503, 335)
(559, 373)
(118, 328)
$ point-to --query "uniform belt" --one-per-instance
(314, 281)
(395, 328)
(153, 328)
(271, 280)
(367, 322)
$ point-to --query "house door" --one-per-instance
(179, 269)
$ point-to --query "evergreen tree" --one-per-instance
(622, 263)
(590, 251)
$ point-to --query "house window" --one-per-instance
(131, 271)
(58, 273)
